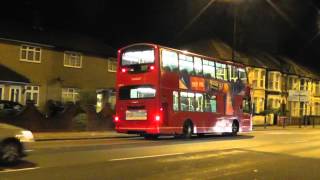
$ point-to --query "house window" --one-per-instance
(70, 95)
(316, 108)
(258, 78)
(273, 103)
(317, 88)
(15, 94)
(112, 66)
(72, 59)
(259, 104)
(30, 54)
(1, 92)
(274, 81)
(32, 94)
(303, 85)
(294, 108)
(262, 78)
(293, 83)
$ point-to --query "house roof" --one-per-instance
(57, 39)
(10, 76)
(221, 50)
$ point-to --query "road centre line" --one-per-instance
(16, 170)
(143, 157)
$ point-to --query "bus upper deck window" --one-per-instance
(169, 60)
(185, 64)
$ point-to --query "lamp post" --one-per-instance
(234, 39)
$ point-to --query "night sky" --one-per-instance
(286, 27)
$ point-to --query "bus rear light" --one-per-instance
(151, 67)
(157, 118)
(123, 70)
(161, 109)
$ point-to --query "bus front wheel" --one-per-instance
(234, 128)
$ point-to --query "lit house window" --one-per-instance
(316, 108)
(273, 103)
(294, 108)
(293, 83)
(72, 59)
(112, 66)
(259, 104)
(70, 95)
(258, 78)
(274, 80)
(30, 54)
(32, 94)
(15, 93)
(317, 88)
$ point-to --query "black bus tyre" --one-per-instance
(187, 130)
(234, 128)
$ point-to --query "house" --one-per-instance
(41, 66)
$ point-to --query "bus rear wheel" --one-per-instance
(234, 128)
(187, 130)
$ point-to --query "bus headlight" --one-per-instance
(25, 136)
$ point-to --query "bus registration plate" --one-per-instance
(136, 115)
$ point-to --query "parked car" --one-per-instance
(13, 142)
(10, 107)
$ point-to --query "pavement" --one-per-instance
(51, 136)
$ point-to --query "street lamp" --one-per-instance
(235, 18)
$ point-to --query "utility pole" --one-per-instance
(234, 38)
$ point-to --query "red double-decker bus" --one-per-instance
(165, 91)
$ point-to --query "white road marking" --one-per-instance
(29, 150)
(16, 170)
(143, 157)
(302, 141)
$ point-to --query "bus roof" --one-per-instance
(187, 53)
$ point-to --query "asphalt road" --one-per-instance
(273, 154)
